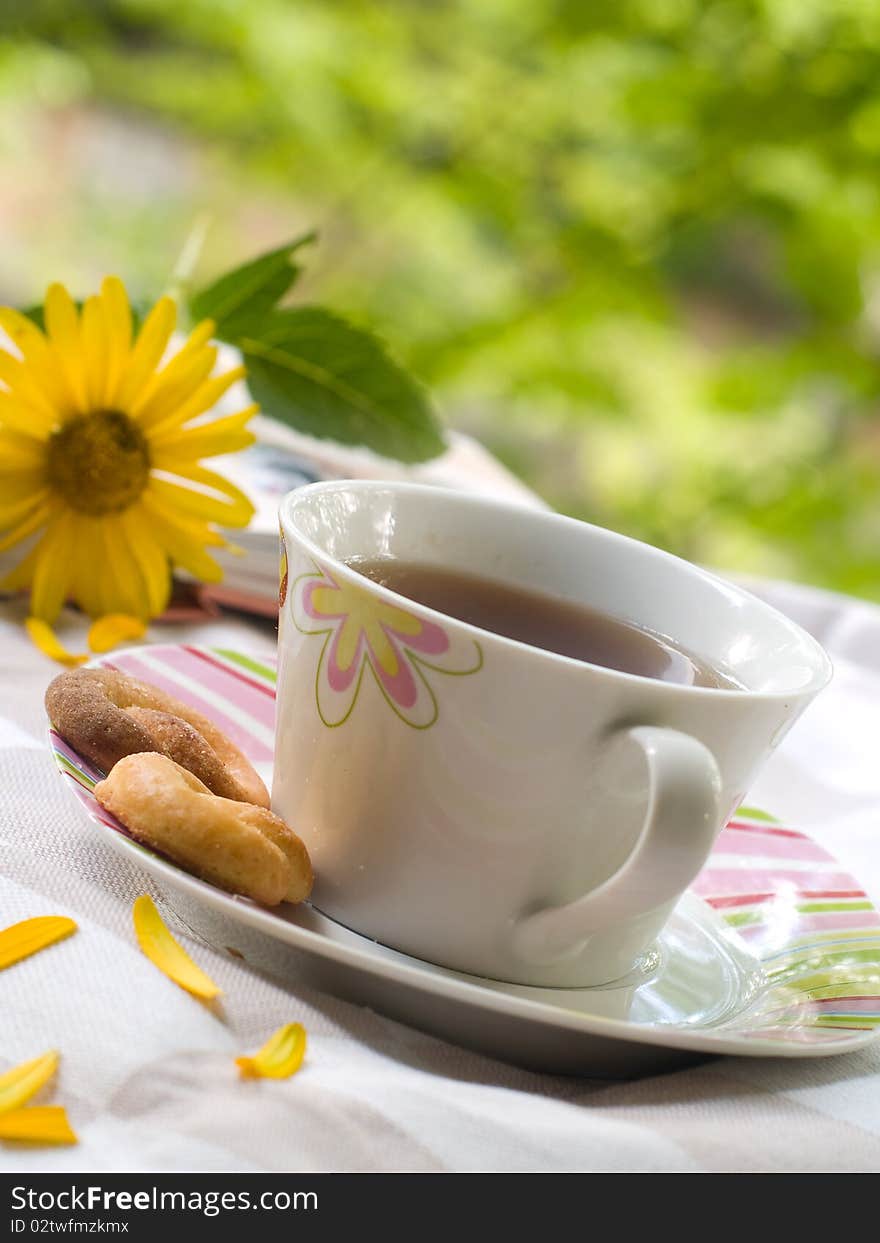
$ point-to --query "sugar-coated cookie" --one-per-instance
(106, 715)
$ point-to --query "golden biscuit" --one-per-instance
(243, 848)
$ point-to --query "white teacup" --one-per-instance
(494, 807)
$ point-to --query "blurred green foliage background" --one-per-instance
(633, 245)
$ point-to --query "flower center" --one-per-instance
(99, 462)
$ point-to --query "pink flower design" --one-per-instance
(364, 631)
(282, 573)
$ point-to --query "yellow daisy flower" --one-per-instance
(100, 445)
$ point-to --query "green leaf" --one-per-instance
(313, 370)
(244, 295)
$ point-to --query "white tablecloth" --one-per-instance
(147, 1073)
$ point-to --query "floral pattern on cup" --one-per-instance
(364, 633)
(282, 572)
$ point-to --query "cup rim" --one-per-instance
(822, 671)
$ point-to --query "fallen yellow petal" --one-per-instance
(22, 1082)
(280, 1057)
(161, 948)
(40, 1124)
(115, 628)
(45, 638)
(21, 940)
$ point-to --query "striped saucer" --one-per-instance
(775, 950)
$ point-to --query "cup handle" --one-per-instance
(681, 824)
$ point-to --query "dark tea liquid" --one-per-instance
(544, 621)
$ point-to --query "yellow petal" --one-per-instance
(204, 398)
(20, 487)
(40, 1124)
(150, 346)
(44, 637)
(175, 384)
(18, 408)
(94, 350)
(19, 941)
(63, 330)
(27, 380)
(22, 1082)
(149, 557)
(54, 570)
(175, 367)
(113, 629)
(280, 1057)
(242, 509)
(117, 322)
(125, 591)
(225, 435)
(23, 420)
(30, 515)
(237, 511)
(184, 378)
(19, 452)
(88, 565)
(40, 358)
(161, 948)
(20, 576)
(23, 331)
(92, 587)
(184, 541)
